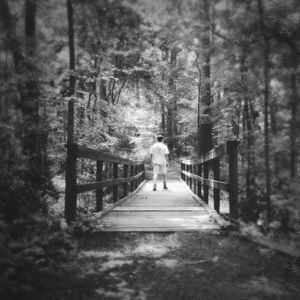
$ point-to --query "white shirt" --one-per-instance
(159, 151)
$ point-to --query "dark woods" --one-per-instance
(199, 72)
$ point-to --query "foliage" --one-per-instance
(31, 248)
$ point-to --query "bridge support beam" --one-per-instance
(232, 150)
(99, 192)
(71, 175)
(115, 176)
(216, 170)
(205, 187)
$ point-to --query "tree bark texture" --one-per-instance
(266, 79)
(71, 47)
(205, 134)
(294, 107)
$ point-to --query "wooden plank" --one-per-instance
(217, 152)
(160, 215)
(203, 227)
(216, 184)
(165, 211)
(81, 188)
(155, 208)
(157, 223)
(85, 152)
(190, 162)
(159, 203)
(214, 153)
(107, 210)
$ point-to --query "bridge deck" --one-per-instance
(169, 210)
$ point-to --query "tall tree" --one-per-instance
(205, 134)
(71, 47)
(266, 78)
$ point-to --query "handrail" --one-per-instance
(191, 173)
(133, 172)
(85, 152)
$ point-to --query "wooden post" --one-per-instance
(125, 185)
(183, 169)
(70, 131)
(191, 179)
(71, 168)
(135, 173)
(138, 171)
(205, 187)
(71, 182)
(216, 169)
(195, 181)
(99, 192)
(199, 182)
(232, 147)
(143, 169)
(115, 187)
(131, 182)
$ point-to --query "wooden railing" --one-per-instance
(133, 172)
(196, 174)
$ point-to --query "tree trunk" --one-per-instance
(71, 47)
(248, 125)
(294, 104)
(266, 53)
(205, 134)
(163, 117)
(172, 103)
(198, 104)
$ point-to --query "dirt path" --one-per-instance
(174, 266)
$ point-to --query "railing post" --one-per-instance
(205, 187)
(99, 192)
(125, 175)
(70, 130)
(182, 168)
(131, 182)
(71, 182)
(139, 179)
(115, 187)
(194, 180)
(191, 179)
(135, 173)
(232, 151)
(216, 170)
(71, 168)
(199, 182)
(143, 169)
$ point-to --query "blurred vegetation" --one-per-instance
(141, 69)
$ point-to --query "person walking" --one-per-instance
(159, 153)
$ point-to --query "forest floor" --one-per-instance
(195, 265)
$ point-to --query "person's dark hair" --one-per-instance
(160, 138)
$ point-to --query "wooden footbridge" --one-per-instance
(136, 207)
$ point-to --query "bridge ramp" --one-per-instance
(175, 209)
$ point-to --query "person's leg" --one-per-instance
(164, 173)
(155, 173)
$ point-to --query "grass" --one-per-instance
(164, 266)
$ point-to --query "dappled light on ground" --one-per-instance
(182, 266)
